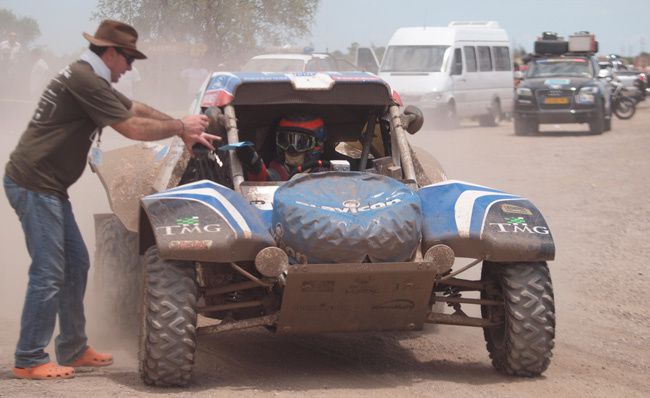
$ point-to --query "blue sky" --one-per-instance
(621, 26)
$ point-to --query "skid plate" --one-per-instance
(356, 297)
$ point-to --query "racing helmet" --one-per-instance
(299, 139)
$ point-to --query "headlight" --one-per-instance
(524, 92)
(587, 95)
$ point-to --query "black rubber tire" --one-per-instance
(525, 127)
(523, 345)
(624, 108)
(492, 118)
(117, 276)
(446, 119)
(597, 124)
(168, 336)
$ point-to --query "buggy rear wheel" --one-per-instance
(522, 343)
(117, 275)
(168, 339)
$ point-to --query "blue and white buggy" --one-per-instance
(371, 245)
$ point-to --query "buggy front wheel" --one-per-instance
(168, 336)
(521, 344)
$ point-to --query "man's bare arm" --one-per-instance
(144, 110)
(190, 129)
(148, 129)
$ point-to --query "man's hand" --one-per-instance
(193, 131)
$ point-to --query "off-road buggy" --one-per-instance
(368, 246)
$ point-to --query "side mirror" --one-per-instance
(412, 119)
(604, 73)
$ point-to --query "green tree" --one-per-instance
(230, 29)
(26, 28)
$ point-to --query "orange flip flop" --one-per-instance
(91, 357)
(46, 371)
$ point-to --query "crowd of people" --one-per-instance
(23, 73)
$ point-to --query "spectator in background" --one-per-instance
(39, 74)
(128, 82)
(10, 48)
(194, 76)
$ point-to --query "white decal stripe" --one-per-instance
(449, 182)
(465, 206)
(232, 210)
(193, 200)
(487, 210)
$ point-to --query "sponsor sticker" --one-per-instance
(187, 220)
(515, 220)
(518, 225)
(190, 244)
(352, 206)
(508, 208)
(188, 225)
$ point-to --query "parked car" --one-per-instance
(563, 85)
(297, 62)
(367, 247)
(461, 70)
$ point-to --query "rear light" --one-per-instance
(643, 77)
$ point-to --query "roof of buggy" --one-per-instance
(265, 88)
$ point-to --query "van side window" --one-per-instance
(470, 58)
(457, 66)
(484, 59)
(501, 58)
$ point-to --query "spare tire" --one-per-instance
(346, 217)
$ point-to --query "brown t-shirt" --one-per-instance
(52, 153)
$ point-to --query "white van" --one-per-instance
(463, 70)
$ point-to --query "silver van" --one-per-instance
(463, 70)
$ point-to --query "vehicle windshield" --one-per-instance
(413, 59)
(578, 67)
(274, 65)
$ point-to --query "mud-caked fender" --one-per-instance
(481, 222)
(203, 221)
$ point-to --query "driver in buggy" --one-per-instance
(299, 143)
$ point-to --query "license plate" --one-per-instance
(556, 100)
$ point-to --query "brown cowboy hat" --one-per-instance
(116, 34)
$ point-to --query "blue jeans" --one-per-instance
(57, 277)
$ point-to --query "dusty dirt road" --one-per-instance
(592, 190)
